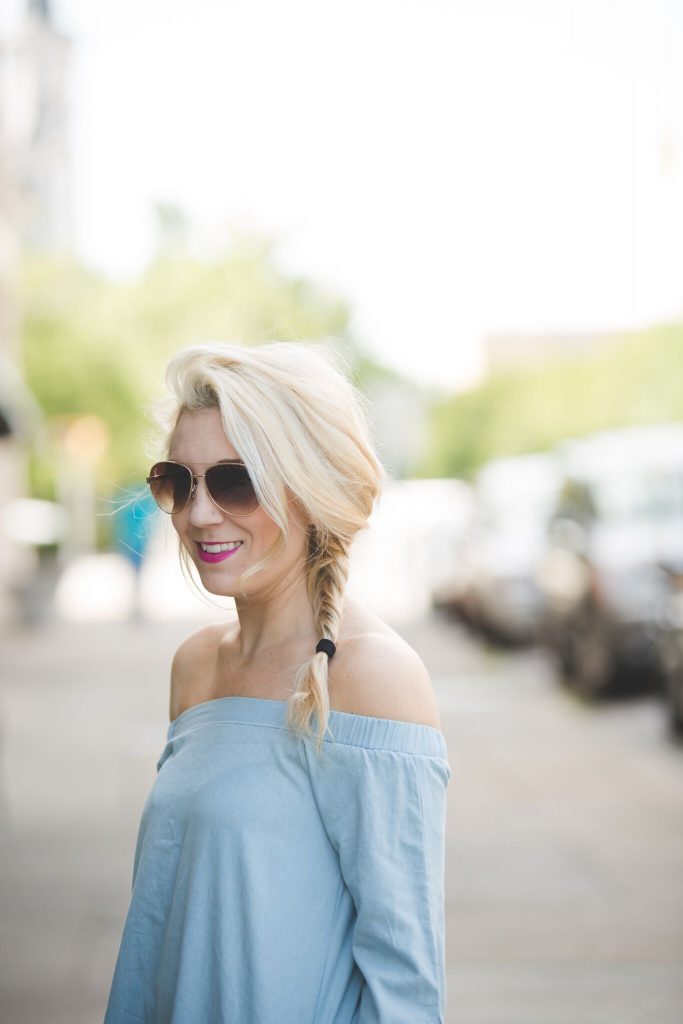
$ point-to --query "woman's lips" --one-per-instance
(218, 556)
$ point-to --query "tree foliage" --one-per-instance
(634, 379)
(95, 345)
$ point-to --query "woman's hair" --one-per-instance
(300, 426)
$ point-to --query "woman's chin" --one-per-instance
(219, 588)
(214, 581)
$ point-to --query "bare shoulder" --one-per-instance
(379, 674)
(194, 653)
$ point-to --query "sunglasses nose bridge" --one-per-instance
(193, 490)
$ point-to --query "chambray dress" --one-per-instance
(273, 885)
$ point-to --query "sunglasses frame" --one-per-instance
(196, 477)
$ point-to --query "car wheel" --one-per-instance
(594, 667)
(673, 685)
(553, 638)
(566, 658)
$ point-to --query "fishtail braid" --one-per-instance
(327, 570)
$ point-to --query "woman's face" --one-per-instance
(199, 441)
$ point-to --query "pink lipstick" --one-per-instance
(218, 556)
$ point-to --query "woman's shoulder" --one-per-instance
(376, 672)
(192, 661)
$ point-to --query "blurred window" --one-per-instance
(647, 495)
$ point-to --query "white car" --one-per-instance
(514, 498)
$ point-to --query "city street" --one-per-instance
(565, 828)
(298, 299)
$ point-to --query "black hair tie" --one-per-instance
(327, 646)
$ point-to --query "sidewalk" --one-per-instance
(564, 849)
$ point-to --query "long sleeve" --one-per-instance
(384, 811)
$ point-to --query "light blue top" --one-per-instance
(275, 886)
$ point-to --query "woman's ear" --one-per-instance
(298, 514)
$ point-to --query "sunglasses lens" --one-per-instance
(231, 488)
(170, 485)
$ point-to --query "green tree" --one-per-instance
(94, 345)
(633, 380)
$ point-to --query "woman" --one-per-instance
(284, 874)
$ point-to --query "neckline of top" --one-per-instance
(349, 727)
(282, 703)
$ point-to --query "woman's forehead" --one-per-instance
(199, 437)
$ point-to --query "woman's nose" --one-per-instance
(202, 508)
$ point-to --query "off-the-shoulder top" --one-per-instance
(274, 885)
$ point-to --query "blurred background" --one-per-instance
(481, 203)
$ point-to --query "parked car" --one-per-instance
(619, 519)
(513, 499)
(406, 555)
(447, 526)
(670, 643)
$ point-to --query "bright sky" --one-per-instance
(454, 167)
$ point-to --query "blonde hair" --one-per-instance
(300, 425)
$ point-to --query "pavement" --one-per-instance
(564, 876)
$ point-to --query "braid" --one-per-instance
(327, 573)
(326, 582)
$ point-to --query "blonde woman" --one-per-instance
(289, 866)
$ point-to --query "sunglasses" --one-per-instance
(228, 483)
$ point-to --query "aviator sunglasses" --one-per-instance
(229, 485)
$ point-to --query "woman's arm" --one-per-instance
(384, 809)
